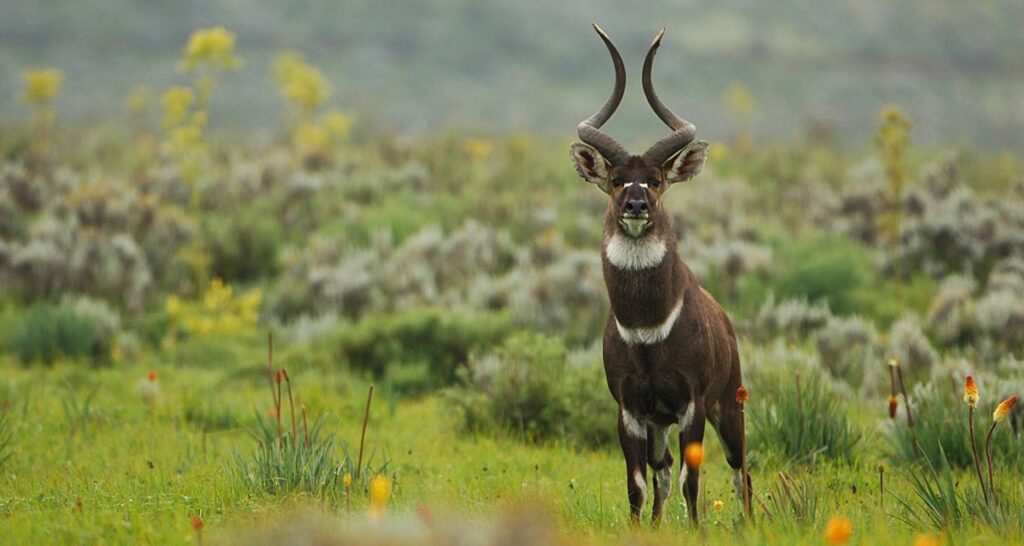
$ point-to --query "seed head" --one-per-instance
(971, 392)
(893, 404)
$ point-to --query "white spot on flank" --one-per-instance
(634, 428)
(632, 254)
(652, 334)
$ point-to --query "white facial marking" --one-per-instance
(632, 254)
(653, 334)
(737, 482)
(634, 428)
(628, 185)
(687, 418)
(641, 483)
(643, 185)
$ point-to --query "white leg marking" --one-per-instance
(737, 482)
(682, 478)
(634, 428)
(640, 482)
(687, 418)
(664, 488)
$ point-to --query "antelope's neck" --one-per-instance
(645, 279)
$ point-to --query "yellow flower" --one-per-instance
(42, 85)
(718, 505)
(173, 306)
(346, 480)
(694, 454)
(1003, 409)
(927, 540)
(971, 392)
(477, 148)
(176, 103)
(894, 362)
(300, 82)
(740, 101)
(214, 47)
(380, 490)
(838, 530)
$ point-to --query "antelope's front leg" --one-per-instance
(659, 457)
(633, 439)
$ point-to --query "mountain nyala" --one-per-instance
(670, 352)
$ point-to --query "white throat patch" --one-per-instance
(633, 254)
(652, 334)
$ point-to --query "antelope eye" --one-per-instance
(654, 182)
(616, 182)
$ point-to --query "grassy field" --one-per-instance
(143, 267)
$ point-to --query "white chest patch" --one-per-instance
(633, 254)
(652, 334)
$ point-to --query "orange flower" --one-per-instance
(971, 392)
(893, 404)
(197, 523)
(838, 530)
(151, 375)
(741, 395)
(927, 540)
(278, 377)
(693, 454)
(1003, 409)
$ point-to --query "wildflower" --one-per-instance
(176, 102)
(894, 362)
(380, 490)
(477, 148)
(197, 523)
(346, 480)
(694, 454)
(1003, 409)
(214, 47)
(301, 83)
(838, 530)
(278, 377)
(741, 395)
(971, 392)
(338, 125)
(717, 505)
(42, 85)
(151, 375)
(894, 403)
(927, 540)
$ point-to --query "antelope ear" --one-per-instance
(591, 166)
(687, 163)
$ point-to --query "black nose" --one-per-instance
(636, 206)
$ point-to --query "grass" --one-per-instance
(140, 474)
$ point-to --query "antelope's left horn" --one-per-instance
(683, 132)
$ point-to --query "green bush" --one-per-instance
(798, 416)
(45, 332)
(532, 387)
(243, 247)
(818, 268)
(418, 349)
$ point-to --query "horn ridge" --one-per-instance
(589, 130)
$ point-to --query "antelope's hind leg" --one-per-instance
(633, 439)
(659, 457)
(691, 430)
(728, 422)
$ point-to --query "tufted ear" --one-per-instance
(687, 163)
(591, 166)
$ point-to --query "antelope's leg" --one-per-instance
(691, 430)
(728, 422)
(659, 457)
(633, 439)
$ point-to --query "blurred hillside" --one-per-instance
(504, 65)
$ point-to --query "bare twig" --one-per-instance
(362, 438)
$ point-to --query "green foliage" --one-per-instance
(794, 502)
(530, 388)
(823, 268)
(941, 430)
(79, 411)
(45, 333)
(419, 348)
(244, 246)
(6, 438)
(800, 417)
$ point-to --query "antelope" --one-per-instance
(670, 353)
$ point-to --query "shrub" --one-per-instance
(243, 247)
(848, 348)
(799, 417)
(823, 269)
(532, 387)
(47, 332)
(420, 348)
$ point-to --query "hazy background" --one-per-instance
(508, 65)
